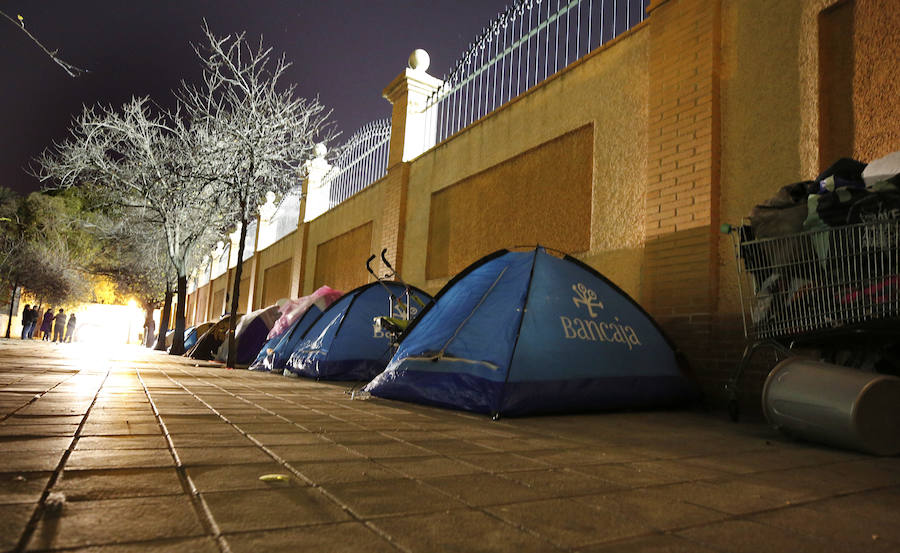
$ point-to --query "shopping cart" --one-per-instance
(836, 289)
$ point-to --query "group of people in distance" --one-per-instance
(62, 330)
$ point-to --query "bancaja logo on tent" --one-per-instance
(577, 328)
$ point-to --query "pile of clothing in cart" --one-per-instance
(827, 248)
(846, 193)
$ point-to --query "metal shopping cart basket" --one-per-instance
(837, 288)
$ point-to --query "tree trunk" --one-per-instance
(12, 301)
(164, 320)
(178, 342)
(235, 296)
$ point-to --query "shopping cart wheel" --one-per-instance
(734, 410)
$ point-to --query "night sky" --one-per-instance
(344, 51)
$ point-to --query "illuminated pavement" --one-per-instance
(155, 454)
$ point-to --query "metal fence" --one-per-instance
(528, 42)
(361, 161)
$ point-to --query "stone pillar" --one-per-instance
(316, 189)
(412, 133)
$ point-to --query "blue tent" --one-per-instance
(529, 332)
(275, 353)
(343, 343)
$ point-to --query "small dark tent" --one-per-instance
(250, 335)
(209, 342)
(192, 334)
(343, 343)
(529, 332)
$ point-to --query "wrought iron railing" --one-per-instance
(528, 42)
(362, 161)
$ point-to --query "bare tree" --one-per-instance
(145, 161)
(259, 134)
(70, 69)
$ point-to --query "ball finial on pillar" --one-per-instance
(419, 60)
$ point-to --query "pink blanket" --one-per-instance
(294, 309)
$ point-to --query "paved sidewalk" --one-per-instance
(153, 453)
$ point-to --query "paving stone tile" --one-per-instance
(649, 473)
(209, 440)
(83, 485)
(221, 455)
(356, 437)
(875, 510)
(45, 419)
(238, 511)
(22, 443)
(450, 447)
(9, 429)
(13, 519)
(329, 426)
(650, 544)
(651, 508)
(30, 461)
(559, 483)
(389, 450)
(119, 458)
(297, 437)
(771, 458)
(273, 427)
(345, 471)
(193, 545)
(856, 532)
(22, 487)
(568, 524)
(345, 536)
(314, 453)
(523, 443)
(571, 458)
(121, 429)
(740, 536)
(459, 530)
(372, 498)
(83, 523)
(121, 442)
(485, 489)
(734, 496)
(200, 428)
(215, 478)
(429, 467)
(502, 462)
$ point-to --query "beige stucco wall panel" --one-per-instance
(607, 90)
(275, 254)
(762, 115)
(363, 208)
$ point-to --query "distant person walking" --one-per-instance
(47, 325)
(149, 330)
(28, 320)
(70, 328)
(59, 327)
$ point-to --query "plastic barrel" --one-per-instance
(834, 405)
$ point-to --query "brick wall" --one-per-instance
(680, 271)
(682, 156)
